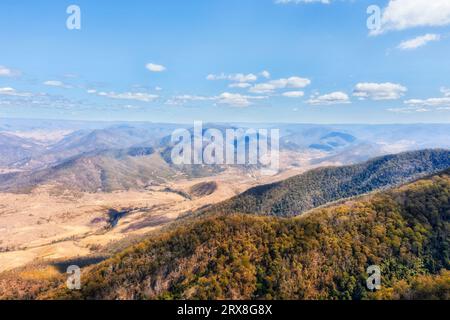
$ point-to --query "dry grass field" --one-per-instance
(43, 226)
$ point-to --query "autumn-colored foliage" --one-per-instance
(323, 255)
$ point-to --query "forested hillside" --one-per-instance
(314, 188)
(322, 255)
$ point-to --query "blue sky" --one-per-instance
(226, 60)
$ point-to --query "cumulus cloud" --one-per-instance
(237, 77)
(263, 88)
(431, 102)
(137, 96)
(182, 99)
(226, 98)
(155, 67)
(418, 41)
(56, 83)
(13, 98)
(379, 91)
(421, 105)
(271, 86)
(293, 94)
(337, 97)
(8, 91)
(408, 110)
(405, 14)
(236, 99)
(241, 85)
(265, 74)
(445, 91)
(7, 72)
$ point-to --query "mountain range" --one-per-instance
(323, 255)
(107, 197)
(317, 187)
(94, 151)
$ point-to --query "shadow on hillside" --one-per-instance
(152, 222)
(80, 262)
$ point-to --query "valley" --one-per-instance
(44, 225)
(321, 255)
(232, 158)
(81, 193)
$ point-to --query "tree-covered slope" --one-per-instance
(322, 255)
(314, 188)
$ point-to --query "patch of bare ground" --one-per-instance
(44, 225)
(203, 189)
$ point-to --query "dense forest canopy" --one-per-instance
(314, 188)
(323, 255)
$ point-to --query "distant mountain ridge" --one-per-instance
(317, 187)
(333, 140)
(104, 170)
(14, 148)
(96, 150)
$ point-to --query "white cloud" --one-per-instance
(8, 91)
(337, 97)
(405, 14)
(271, 86)
(182, 99)
(188, 97)
(265, 74)
(419, 41)
(227, 98)
(408, 110)
(56, 83)
(379, 91)
(237, 100)
(263, 88)
(137, 96)
(293, 94)
(155, 67)
(440, 103)
(445, 91)
(7, 72)
(241, 85)
(234, 99)
(431, 102)
(292, 82)
(130, 107)
(15, 98)
(158, 88)
(237, 77)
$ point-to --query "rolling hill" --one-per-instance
(317, 187)
(323, 255)
(14, 149)
(87, 141)
(25, 163)
(107, 170)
